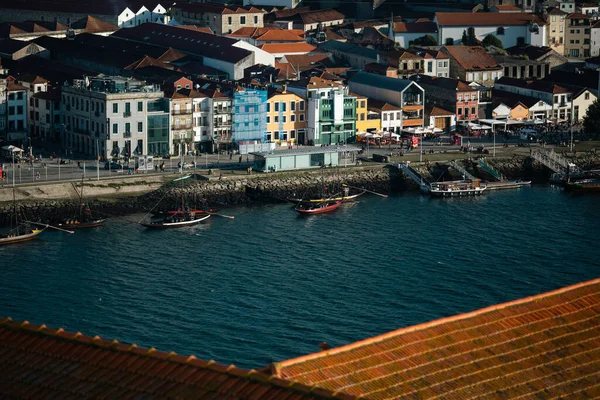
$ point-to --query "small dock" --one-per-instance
(506, 185)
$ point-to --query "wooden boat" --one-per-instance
(17, 237)
(186, 218)
(76, 224)
(84, 218)
(583, 185)
(306, 208)
(21, 231)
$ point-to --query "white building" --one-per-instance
(595, 40)
(403, 93)
(582, 100)
(115, 117)
(557, 96)
(511, 28)
(404, 33)
(131, 16)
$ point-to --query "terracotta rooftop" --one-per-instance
(217, 8)
(287, 48)
(435, 111)
(472, 57)
(93, 25)
(250, 32)
(204, 29)
(307, 60)
(577, 16)
(33, 79)
(540, 347)
(379, 106)
(507, 7)
(485, 19)
(415, 27)
(319, 83)
(14, 87)
(279, 35)
(38, 362)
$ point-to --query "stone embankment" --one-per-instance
(232, 190)
(54, 202)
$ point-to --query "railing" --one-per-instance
(181, 126)
(460, 169)
(491, 170)
(416, 177)
(127, 134)
(181, 112)
(126, 114)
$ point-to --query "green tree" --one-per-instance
(591, 121)
(465, 39)
(491, 40)
(426, 40)
(471, 37)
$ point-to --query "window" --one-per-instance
(19, 110)
(500, 30)
(292, 106)
(384, 117)
(466, 112)
(362, 116)
(268, 107)
(115, 128)
(115, 108)
(554, 18)
(301, 117)
(283, 118)
(473, 111)
(283, 106)
(587, 95)
(445, 64)
(140, 106)
(242, 20)
(561, 28)
(140, 126)
(362, 104)
(398, 116)
(430, 66)
(460, 111)
(460, 97)
(19, 95)
(228, 20)
(276, 118)
(256, 19)
(128, 108)
(268, 119)
(127, 127)
(277, 107)
(301, 105)
(292, 118)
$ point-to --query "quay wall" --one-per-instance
(52, 202)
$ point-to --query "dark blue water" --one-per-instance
(270, 285)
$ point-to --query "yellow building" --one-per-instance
(519, 112)
(365, 121)
(286, 118)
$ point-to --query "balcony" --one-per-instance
(181, 127)
(183, 136)
(181, 112)
(222, 124)
(126, 114)
(127, 134)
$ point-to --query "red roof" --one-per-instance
(415, 27)
(435, 111)
(287, 48)
(217, 8)
(38, 362)
(279, 35)
(472, 58)
(507, 7)
(577, 16)
(540, 347)
(486, 19)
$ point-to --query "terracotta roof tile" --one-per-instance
(472, 57)
(507, 7)
(436, 111)
(287, 48)
(486, 19)
(544, 346)
(251, 32)
(279, 35)
(37, 362)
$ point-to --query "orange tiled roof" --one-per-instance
(319, 83)
(287, 48)
(472, 57)
(486, 19)
(275, 35)
(38, 362)
(248, 31)
(544, 346)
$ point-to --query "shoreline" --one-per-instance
(52, 202)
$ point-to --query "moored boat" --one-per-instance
(583, 185)
(179, 220)
(16, 236)
(84, 218)
(307, 208)
(456, 188)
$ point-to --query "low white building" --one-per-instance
(132, 16)
(511, 28)
(582, 100)
(404, 33)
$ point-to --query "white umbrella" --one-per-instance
(377, 135)
(12, 149)
(361, 133)
(437, 130)
(369, 135)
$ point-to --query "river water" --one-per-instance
(271, 285)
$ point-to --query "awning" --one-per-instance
(12, 149)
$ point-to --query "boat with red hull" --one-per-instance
(317, 208)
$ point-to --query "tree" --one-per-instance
(468, 38)
(426, 40)
(591, 121)
(465, 39)
(491, 40)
